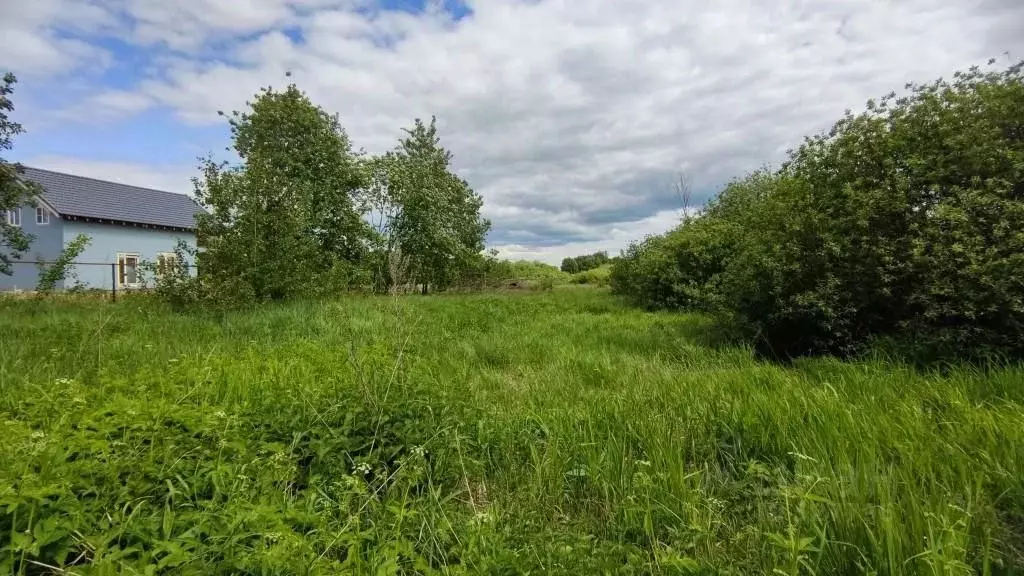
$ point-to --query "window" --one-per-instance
(14, 217)
(127, 270)
(166, 262)
(42, 216)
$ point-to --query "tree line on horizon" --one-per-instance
(584, 262)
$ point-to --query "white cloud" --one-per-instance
(110, 105)
(188, 25)
(170, 178)
(34, 37)
(570, 116)
(613, 239)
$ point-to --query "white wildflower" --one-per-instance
(578, 472)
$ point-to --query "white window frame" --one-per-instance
(14, 217)
(42, 216)
(162, 258)
(122, 259)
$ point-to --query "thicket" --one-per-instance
(576, 264)
(303, 213)
(904, 223)
(596, 276)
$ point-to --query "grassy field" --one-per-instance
(523, 433)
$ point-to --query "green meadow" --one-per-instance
(552, 432)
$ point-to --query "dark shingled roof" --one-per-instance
(90, 198)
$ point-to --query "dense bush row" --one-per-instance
(903, 223)
(577, 264)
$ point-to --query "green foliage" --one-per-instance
(58, 271)
(536, 272)
(285, 221)
(14, 192)
(490, 271)
(289, 220)
(600, 276)
(426, 216)
(552, 433)
(586, 262)
(903, 223)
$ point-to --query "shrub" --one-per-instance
(542, 284)
(62, 268)
(584, 262)
(903, 222)
(594, 277)
(492, 272)
(681, 269)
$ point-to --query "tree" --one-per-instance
(285, 221)
(52, 273)
(584, 262)
(424, 212)
(14, 192)
(900, 224)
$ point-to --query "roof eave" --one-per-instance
(115, 222)
(39, 197)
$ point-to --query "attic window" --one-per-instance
(42, 216)
(14, 217)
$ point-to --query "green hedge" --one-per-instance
(904, 222)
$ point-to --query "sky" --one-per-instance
(572, 118)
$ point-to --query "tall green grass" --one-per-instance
(548, 432)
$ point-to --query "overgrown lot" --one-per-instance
(551, 432)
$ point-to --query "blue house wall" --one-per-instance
(48, 242)
(107, 240)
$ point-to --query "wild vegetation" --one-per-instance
(901, 225)
(274, 415)
(304, 214)
(13, 191)
(575, 264)
(555, 432)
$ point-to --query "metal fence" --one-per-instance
(104, 277)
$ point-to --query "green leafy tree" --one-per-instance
(50, 274)
(585, 262)
(286, 220)
(903, 223)
(424, 213)
(682, 269)
(14, 191)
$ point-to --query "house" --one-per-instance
(127, 225)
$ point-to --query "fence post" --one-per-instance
(113, 282)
